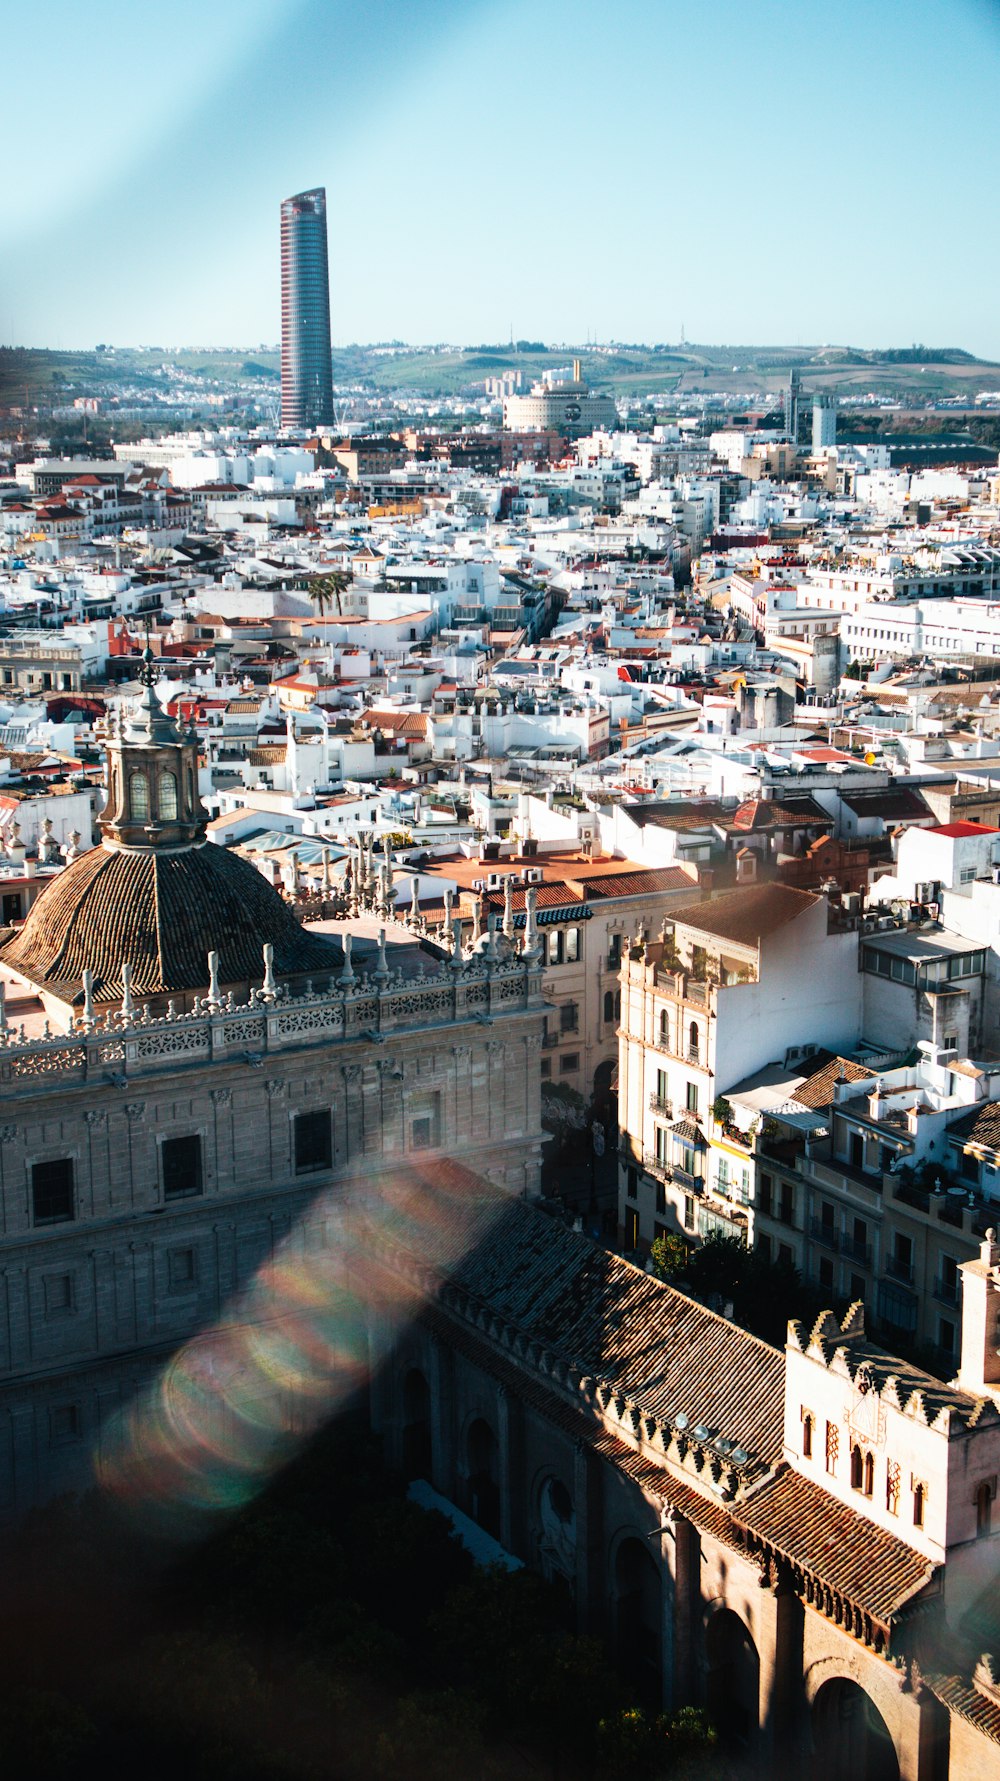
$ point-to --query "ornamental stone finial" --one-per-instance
(381, 971)
(87, 1017)
(129, 1010)
(508, 906)
(213, 1001)
(269, 991)
(530, 946)
(346, 978)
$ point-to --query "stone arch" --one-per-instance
(553, 1516)
(167, 797)
(637, 1596)
(482, 1472)
(732, 1677)
(850, 1738)
(416, 1425)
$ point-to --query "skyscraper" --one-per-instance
(792, 407)
(306, 380)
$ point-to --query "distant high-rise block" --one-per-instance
(824, 422)
(792, 394)
(306, 379)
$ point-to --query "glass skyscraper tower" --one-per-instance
(306, 380)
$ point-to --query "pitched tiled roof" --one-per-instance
(663, 1349)
(748, 915)
(636, 884)
(762, 813)
(817, 1089)
(161, 912)
(829, 1540)
(981, 1126)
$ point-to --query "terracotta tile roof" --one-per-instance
(829, 1540)
(893, 804)
(748, 915)
(817, 1089)
(980, 1127)
(635, 884)
(162, 913)
(397, 723)
(663, 1349)
(755, 814)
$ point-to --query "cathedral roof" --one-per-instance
(161, 912)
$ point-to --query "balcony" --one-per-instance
(549, 1041)
(824, 1232)
(860, 1253)
(671, 1173)
(659, 1104)
(899, 1269)
(947, 1291)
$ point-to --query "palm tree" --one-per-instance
(324, 589)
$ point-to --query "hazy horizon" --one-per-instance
(493, 165)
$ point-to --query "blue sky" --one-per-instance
(791, 173)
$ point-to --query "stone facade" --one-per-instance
(149, 1167)
(559, 1406)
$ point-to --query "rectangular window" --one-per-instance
(52, 1191)
(553, 946)
(569, 1017)
(182, 1269)
(631, 1184)
(764, 1193)
(59, 1294)
(64, 1424)
(546, 1066)
(313, 1142)
(571, 952)
(691, 1097)
(181, 1167)
(569, 1063)
(425, 1122)
(689, 1212)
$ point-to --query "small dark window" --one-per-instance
(631, 1184)
(609, 1005)
(58, 1289)
(691, 1097)
(182, 1269)
(313, 1142)
(569, 1063)
(181, 1167)
(919, 1496)
(546, 1066)
(423, 1132)
(984, 1509)
(807, 1435)
(52, 1190)
(64, 1424)
(569, 1017)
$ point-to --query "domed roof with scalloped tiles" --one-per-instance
(161, 912)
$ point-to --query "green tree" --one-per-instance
(669, 1256)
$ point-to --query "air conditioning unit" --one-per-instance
(494, 881)
(479, 884)
(534, 875)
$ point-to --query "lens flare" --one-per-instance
(235, 1401)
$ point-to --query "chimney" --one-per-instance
(980, 1367)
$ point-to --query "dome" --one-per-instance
(162, 912)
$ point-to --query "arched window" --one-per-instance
(609, 1005)
(138, 797)
(807, 1435)
(618, 1004)
(919, 1499)
(857, 1468)
(693, 1039)
(984, 1509)
(869, 1480)
(168, 797)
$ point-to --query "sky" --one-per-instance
(796, 173)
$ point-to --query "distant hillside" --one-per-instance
(913, 374)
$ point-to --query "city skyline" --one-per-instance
(720, 186)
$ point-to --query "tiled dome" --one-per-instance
(161, 912)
